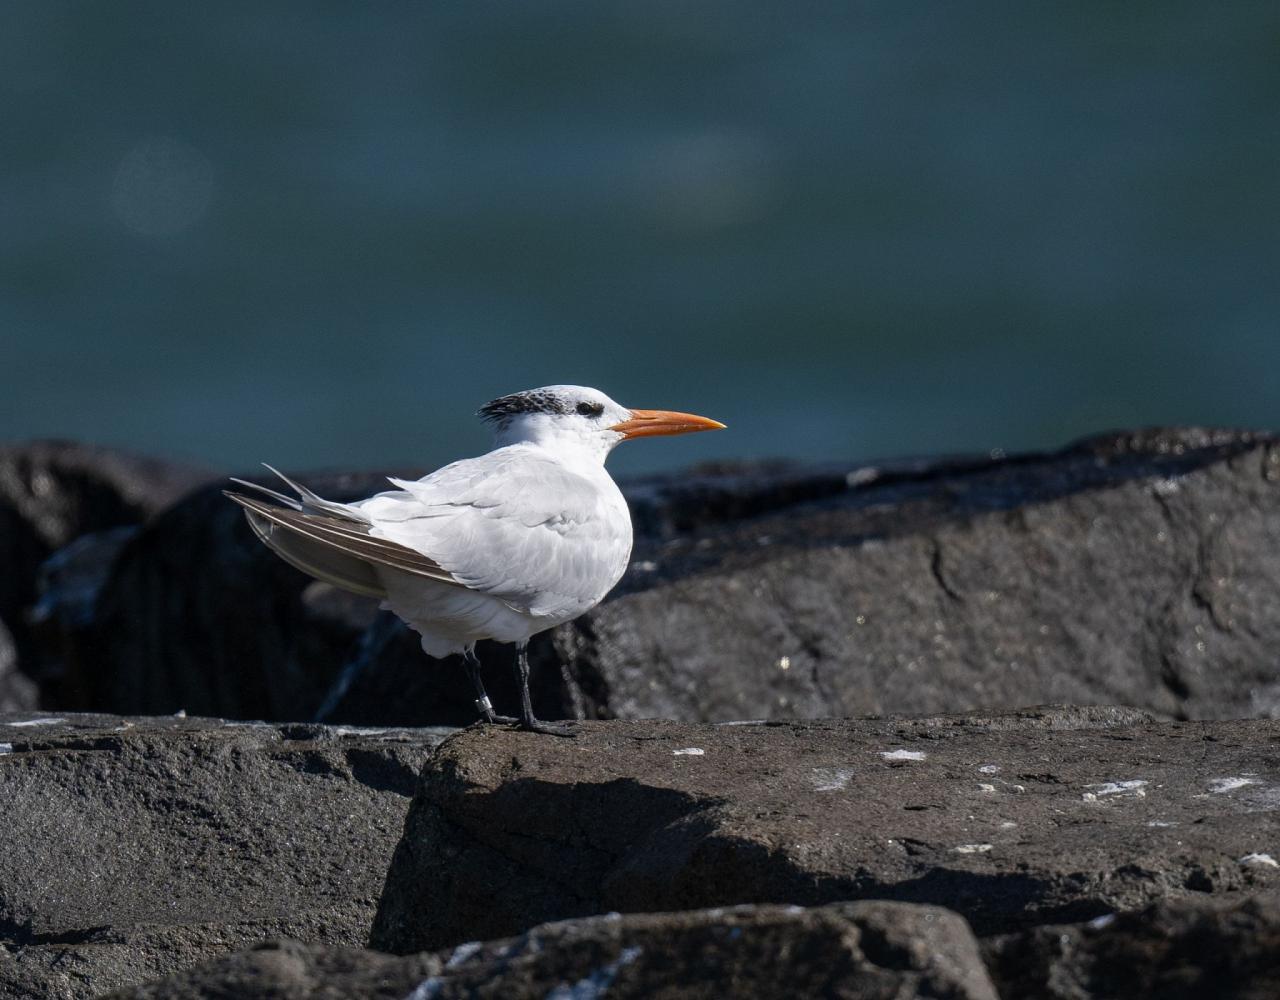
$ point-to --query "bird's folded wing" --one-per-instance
(334, 549)
(515, 526)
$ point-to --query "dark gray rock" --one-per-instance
(391, 678)
(131, 848)
(1228, 949)
(62, 620)
(248, 636)
(18, 692)
(198, 615)
(1045, 816)
(63, 489)
(51, 493)
(1133, 569)
(849, 950)
(1139, 569)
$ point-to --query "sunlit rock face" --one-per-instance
(1022, 819)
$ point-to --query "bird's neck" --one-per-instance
(583, 453)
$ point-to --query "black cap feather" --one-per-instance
(504, 408)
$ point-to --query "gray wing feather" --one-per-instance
(333, 549)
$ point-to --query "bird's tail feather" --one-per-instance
(313, 503)
(277, 497)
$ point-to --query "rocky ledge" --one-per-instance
(855, 951)
(1229, 950)
(1057, 852)
(132, 847)
(1012, 821)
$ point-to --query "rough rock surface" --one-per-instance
(251, 637)
(1134, 568)
(1139, 569)
(131, 848)
(53, 492)
(848, 950)
(1045, 816)
(1221, 948)
(17, 691)
(245, 636)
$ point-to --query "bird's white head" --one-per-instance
(577, 420)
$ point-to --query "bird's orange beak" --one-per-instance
(651, 423)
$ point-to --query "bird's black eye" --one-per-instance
(591, 409)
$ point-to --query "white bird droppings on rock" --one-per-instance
(828, 779)
(972, 848)
(903, 754)
(989, 769)
(1220, 786)
(688, 752)
(463, 952)
(34, 722)
(428, 989)
(1135, 789)
(6, 748)
(595, 985)
(1266, 860)
(984, 787)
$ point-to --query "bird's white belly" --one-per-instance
(450, 618)
(545, 547)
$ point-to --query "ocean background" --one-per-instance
(322, 235)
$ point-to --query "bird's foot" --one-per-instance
(485, 707)
(546, 728)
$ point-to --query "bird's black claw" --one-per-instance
(547, 728)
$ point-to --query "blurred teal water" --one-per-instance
(322, 235)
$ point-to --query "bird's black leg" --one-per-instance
(527, 720)
(472, 664)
